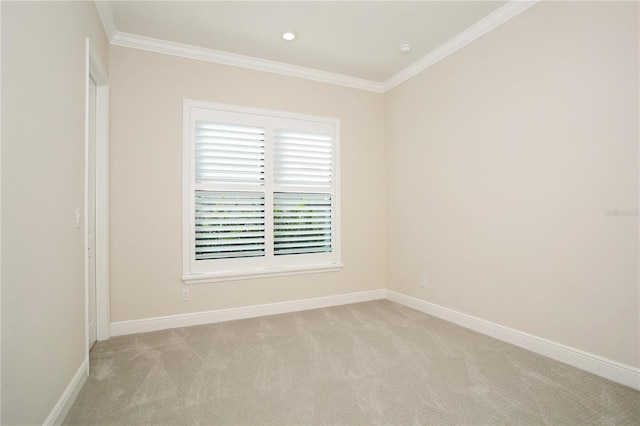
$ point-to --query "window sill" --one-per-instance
(260, 273)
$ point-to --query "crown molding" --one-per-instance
(225, 58)
(498, 17)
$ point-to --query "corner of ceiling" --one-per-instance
(480, 28)
(106, 16)
(498, 17)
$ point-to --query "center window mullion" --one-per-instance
(268, 195)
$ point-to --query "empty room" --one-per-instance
(320, 212)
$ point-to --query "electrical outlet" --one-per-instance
(423, 282)
(185, 294)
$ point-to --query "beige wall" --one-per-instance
(501, 162)
(147, 91)
(43, 104)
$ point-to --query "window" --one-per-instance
(260, 193)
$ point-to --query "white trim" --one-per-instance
(480, 28)
(198, 318)
(603, 367)
(498, 17)
(600, 366)
(260, 273)
(106, 16)
(103, 308)
(87, 80)
(69, 395)
(96, 71)
(192, 103)
(209, 55)
(187, 196)
(96, 68)
(0, 227)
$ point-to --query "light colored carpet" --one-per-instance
(367, 363)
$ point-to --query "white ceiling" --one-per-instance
(353, 38)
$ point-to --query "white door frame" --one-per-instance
(95, 70)
(90, 215)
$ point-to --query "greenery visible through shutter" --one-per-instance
(229, 225)
(302, 223)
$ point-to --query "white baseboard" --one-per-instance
(174, 321)
(69, 395)
(603, 367)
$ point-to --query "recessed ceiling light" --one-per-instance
(289, 36)
(405, 48)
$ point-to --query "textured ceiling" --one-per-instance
(353, 38)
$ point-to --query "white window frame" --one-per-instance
(198, 272)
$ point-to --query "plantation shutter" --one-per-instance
(302, 221)
(261, 194)
(228, 224)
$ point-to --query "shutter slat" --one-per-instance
(242, 236)
(306, 226)
(286, 198)
(231, 154)
(227, 231)
(304, 151)
(306, 208)
(303, 247)
(290, 155)
(235, 151)
(301, 233)
(303, 241)
(305, 173)
(209, 248)
(229, 214)
(222, 164)
(251, 223)
(311, 165)
(308, 251)
(303, 217)
(231, 144)
(213, 256)
(231, 174)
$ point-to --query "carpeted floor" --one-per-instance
(367, 363)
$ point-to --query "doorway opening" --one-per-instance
(96, 208)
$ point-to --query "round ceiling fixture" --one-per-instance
(405, 48)
(290, 36)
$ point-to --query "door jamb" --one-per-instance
(95, 70)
